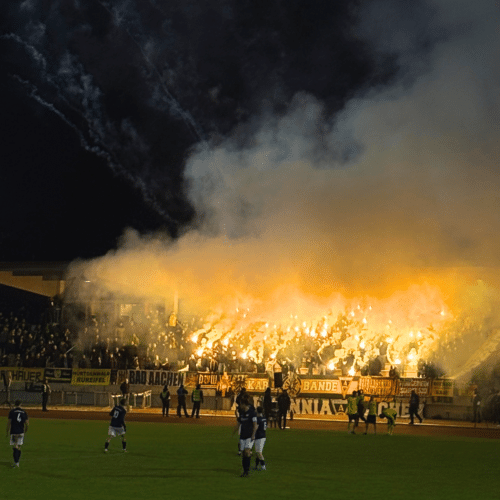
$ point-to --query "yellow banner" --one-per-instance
(442, 388)
(85, 376)
(318, 386)
(256, 384)
(381, 387)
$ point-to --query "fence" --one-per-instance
(102, 399)
(135, 399)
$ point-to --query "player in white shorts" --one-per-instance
(116, 431)
(260, 439)
(117, 425)
(247, 424)
(17, 426)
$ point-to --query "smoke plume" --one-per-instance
(395, 194)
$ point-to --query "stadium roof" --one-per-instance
(44, 278)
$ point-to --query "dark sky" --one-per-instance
(102, 102)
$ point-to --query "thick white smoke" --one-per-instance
(399, 190)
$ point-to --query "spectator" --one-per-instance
(283, 407)
(7, 382)
(197, 399)
(165, 365)
(267, 403)
(213, 365)
(84, 363)
(476, 407)
(192, 363)
(125, 390)
(45, 394)
(181, 400)
(240, 397)
(165, 401)
(414, 407)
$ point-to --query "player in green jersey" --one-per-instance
(352, 412)
(390, 414)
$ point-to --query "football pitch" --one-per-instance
(64, 459)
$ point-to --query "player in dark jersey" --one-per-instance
(117, 425)
(239, 398)
(372, 415)
(247, 423)
(260, 439)
(361, 406)
(17, 426)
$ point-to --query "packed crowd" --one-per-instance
(163, 342)
(34, 345)
(160, 342)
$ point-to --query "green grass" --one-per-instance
(64, 459)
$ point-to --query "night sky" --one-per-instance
(102, 103)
